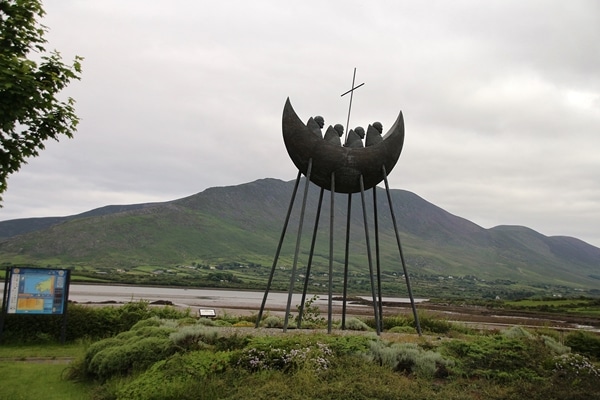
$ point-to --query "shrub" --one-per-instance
(135, 350)
(585, 343)
(554, 346)
(198, 337)
(84, 322)
(273, 321)
(182, 376)
(575, 370)
(146, 322)
(134, 354)
(433, 324)
(96, 348)
(355, 324)
(389, 323)
(428, 323)
(315, 357)
(575, 364)
(515, 332)
(408, 358)
(311, 315)
(194, 337)
(146, 331)
(221, 323)
(248, 318)
(402, 329)
(244, 324)
(349, 344)
(498, 357)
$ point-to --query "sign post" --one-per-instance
(36, 291)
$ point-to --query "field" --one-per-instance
(36, 371)
(162, 353)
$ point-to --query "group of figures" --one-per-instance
(355, 136)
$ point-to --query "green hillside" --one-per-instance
(239, 226)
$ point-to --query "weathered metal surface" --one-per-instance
(348, 164)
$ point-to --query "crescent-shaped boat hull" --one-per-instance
(345, 164)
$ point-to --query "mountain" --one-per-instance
(243, 224)
(16, 227)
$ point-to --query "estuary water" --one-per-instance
(194, 298)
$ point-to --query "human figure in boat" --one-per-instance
(315, 125)
(374, 134)
(355, 136)
(334, 133)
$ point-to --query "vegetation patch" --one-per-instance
(190, 358)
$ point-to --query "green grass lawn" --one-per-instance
(28, 380)
(41, 378)
(41, 350)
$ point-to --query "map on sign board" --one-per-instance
(37, 291)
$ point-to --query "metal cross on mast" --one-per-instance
(351, 91)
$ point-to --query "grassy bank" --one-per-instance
(159, 354)
(37, 371)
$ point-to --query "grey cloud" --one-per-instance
(501, 101)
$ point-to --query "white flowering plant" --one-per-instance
(315, 356)
(575, 368)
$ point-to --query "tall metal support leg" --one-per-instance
(310, 257)
(377, 258)
(285, 224)
(369, 257)
(406, 277)
(345, 293)
(331, 225)
(298, 240)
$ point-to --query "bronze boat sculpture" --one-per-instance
(339, 169)
(347, 164)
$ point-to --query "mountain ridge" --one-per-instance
(243, 223)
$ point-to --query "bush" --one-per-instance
(143, 329)
(84, 322)
(311, 315)
(428, 323)
(135, 350)
(244, 324)
(96, 348)
(182, 376)
(389, 323)
(433, 324)
(273, 321)
(585, 343)
(355, 324)
(516, 332)
(200, 337)
(575, 370)
(409, 358)
(206, 322)
(194, 337)
(402, 329)
(498, 357)
(312, 356)
(131, 355)
(554, 346)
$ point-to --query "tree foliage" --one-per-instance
(30, 80)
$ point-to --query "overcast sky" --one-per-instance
(501, 101)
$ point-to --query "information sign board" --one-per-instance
(37, 291)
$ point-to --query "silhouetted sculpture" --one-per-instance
(354, 139)
(334, 133)
(340, 170)
(374, 134)
(315, 124)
